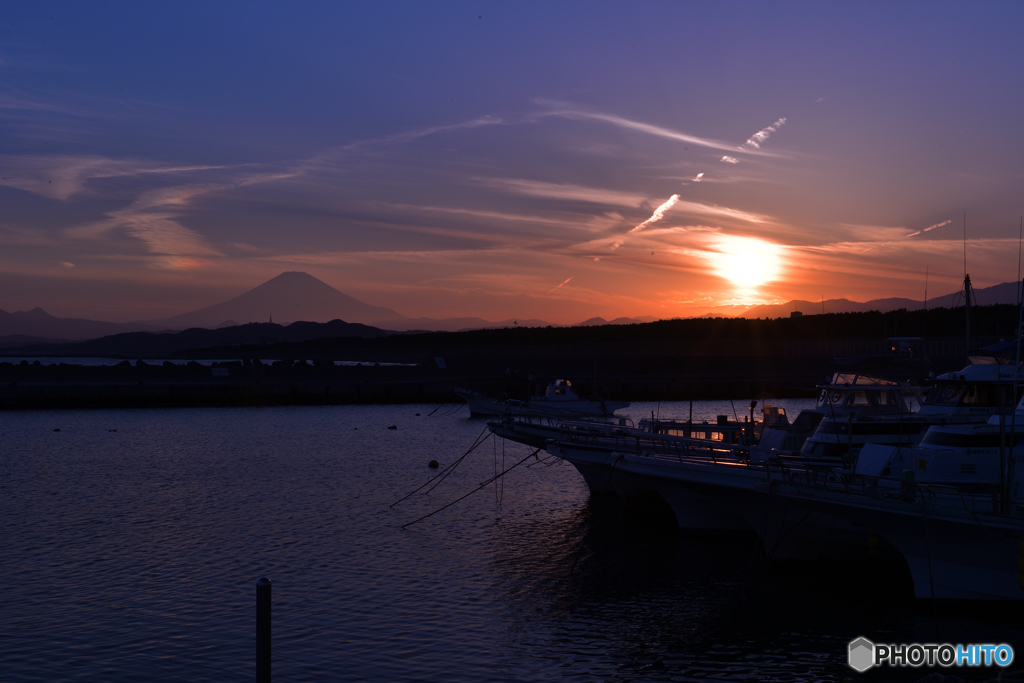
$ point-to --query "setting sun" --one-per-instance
(747, 261)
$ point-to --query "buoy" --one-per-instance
(393, 427)
(433, 464)
(417, 414)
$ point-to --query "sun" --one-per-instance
(747, 262)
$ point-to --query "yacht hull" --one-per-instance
(952, 554)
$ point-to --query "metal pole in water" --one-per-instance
(263, 630)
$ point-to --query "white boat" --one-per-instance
(558, 399)
(861, 410)
(952, 505)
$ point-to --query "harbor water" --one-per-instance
(131, 541)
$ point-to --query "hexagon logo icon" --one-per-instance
(861, 656)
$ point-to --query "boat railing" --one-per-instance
(970, 498)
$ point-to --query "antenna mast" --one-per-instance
(924, 318)
(967, 291)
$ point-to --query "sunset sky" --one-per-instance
(545, 160)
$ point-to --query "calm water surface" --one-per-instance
(130, 543)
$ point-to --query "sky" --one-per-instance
(535, 160)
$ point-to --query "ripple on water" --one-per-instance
(132, 554)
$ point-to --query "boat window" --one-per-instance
(860, 398)
(980, 395)
(935, 437)
(947, 395)
(807, 421)
(827, 397)
(822, 449)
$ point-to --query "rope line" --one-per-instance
(486, 483)
(446, 471)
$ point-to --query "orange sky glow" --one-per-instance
(443, 173)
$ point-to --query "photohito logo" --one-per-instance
(863, 654)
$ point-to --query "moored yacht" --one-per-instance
(559, 399)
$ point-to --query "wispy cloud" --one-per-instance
(930, 227)
(722, 212)
(615, 197)
(698, 178)
(760, 136)
(580, 193)
(26, 104)
(658, 214)
(730, 160)
(559, 109)
(62, 177)
(564, 283)
(329, 156)
(154, 218)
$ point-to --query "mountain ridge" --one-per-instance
(1003, 293)
(294, 296)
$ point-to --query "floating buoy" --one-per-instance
(433, 464)
(393, 427)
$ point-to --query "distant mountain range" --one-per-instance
(290, 297)
(594, 322)
(1005, 293)
(40, 324)
(293, 297)
(454, 324)
(154, 345)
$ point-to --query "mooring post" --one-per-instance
(263, 630)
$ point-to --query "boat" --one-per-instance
(713, 483)
(858, 409)
(953, 505)
(559, 399)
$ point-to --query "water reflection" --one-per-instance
(131, 554)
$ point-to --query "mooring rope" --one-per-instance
(483, 485)
(447, 470)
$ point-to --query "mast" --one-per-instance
(967, 290)
(1007, 474)
(967, 301)
(924, 318)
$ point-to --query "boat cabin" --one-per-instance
(861, 394)
(723, 430)
(560, 390)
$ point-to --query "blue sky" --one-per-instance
(506, 160)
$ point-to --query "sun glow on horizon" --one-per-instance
(747, 262)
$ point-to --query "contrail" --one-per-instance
(937, 225)
(658, 214)
(563, 284)
(930, 227)
(760, 136)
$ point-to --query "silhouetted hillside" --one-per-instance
(150, 345)
(289, 297)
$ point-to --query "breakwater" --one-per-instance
(633, 377)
